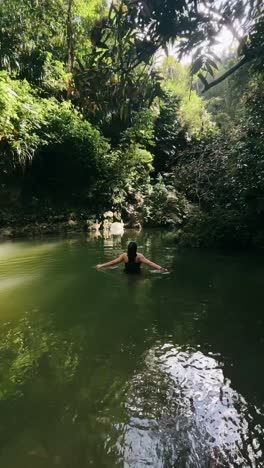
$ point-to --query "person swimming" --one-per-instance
(132, 260)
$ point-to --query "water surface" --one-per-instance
(103, 369)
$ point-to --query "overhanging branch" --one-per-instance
(225, 75)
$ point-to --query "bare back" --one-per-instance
(138, 258)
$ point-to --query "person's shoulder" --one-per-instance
(140, 256)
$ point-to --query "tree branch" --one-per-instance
(225, 75)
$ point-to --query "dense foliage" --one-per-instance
(224, 174)
(92, 120)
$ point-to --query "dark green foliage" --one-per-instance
(165, 206)
(225, 176)
(110, 97)
(169, 134)
(220, 228)
(72, 164)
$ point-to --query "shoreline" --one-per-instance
(67, 224)
(34, 230)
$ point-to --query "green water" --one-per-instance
(103, 369)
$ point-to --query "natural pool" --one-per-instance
(101, 369)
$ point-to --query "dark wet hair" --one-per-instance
(132, 251)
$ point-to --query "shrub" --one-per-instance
(55, 148)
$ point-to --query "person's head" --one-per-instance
(132, 251)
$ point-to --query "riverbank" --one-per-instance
(198, 230)
(27, 224)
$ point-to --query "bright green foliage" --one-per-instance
(224, 100)
(129, 177)
(132, 163)
(49, 139)
(28, 122)
(183, 116)
(21, 116)
(192, 114)
(55, 80)
(61, 153)
(34, 35)
(141, 131)
(84, 15)
(28, 30)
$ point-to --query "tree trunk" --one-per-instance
(69, 38)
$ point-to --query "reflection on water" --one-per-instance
(104, 369)
(183, 411)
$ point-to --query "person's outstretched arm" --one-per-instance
(148, 262)
(113, 262)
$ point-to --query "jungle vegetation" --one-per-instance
(126, 106)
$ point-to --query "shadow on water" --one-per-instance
(106, 369)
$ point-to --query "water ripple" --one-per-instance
(183, 412)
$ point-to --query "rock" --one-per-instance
(109, 214)
(92, 226)
(72, 223)
(72, 216)
(117, 228)
(96, 226)
(106, 225)
(6, 232)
